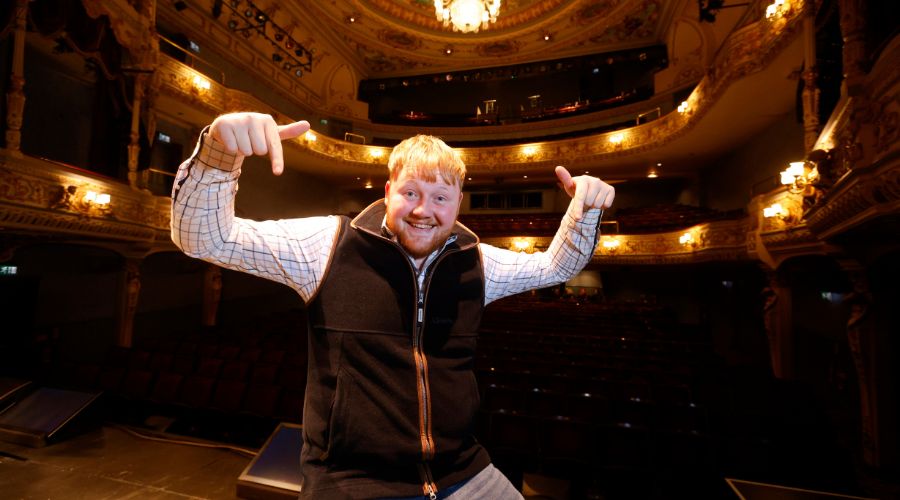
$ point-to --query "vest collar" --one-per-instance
(371, 218)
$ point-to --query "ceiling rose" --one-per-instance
(467, 16)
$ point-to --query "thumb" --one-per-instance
(565, 178)
(292, 130)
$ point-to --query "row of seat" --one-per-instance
(598, 408)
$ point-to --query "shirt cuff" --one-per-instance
(212, 154)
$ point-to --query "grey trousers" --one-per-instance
(489, 484)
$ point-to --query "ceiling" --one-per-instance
(388, 38)
(403, 37)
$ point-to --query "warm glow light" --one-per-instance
(201, 83)
(529, 150)
(686, 239)
(521, 245)
(774, 210)
(467, 16)
(103, 199)
(774, 8)
(683, 107)
(376, 152)
(369, 185)
(310, 136)
(611, 244)
(617, 138)
(652, 174)
(90, 196)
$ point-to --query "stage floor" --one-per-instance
(111, 463)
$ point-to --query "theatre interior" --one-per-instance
(735, 334)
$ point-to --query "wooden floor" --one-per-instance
(111, 463)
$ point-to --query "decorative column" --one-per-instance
(853, 31)
(860, 338)
(15, 97)
(212, 293)
(126, 306)
(810, 74)
(134, 146)
(777, 319)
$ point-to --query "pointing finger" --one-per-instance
(565, 178)
(578, 199)
(276, 153)
(292, 130)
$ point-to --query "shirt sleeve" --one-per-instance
(508, 273)
(294, 252)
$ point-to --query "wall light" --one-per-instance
(775, 210)
(376, 152)
(95, 198)
(683, 107)
(611, 246)
(777, 8)
(799, 176)
(310, 136)
(201, 83)
(686, 239)
(617, 138)
(529, 150)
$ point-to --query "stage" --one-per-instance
(111, 463)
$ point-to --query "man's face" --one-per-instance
(421, 213)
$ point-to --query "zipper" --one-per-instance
(427, 440)
(430, 486)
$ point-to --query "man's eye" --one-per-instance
(409, 194)
(441, 199)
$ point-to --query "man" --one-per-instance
(394, 297)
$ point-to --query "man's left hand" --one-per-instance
(587, 192)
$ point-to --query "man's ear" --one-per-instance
(387, 191)
(460, 202)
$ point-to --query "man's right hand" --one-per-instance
(255, 134)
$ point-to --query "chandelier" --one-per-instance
(467, 16)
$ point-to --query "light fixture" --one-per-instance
(652, 174)
(686, 239)
(529, 150)
(612, 245)
(683, 107)
(248, 19)
(376, 152)
(467, 16)
(448, 50)
(521, 244)
(777, 211)
(201, 83)
(617, 138)
(310, 136)
(776, 8)
(774, 210)
(547, 37)
(799, 177)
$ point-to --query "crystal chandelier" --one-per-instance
(467, 16)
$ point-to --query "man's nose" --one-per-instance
(422, 208)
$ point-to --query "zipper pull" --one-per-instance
(431, 494)
(421, 313)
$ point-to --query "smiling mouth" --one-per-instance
(420, 226)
